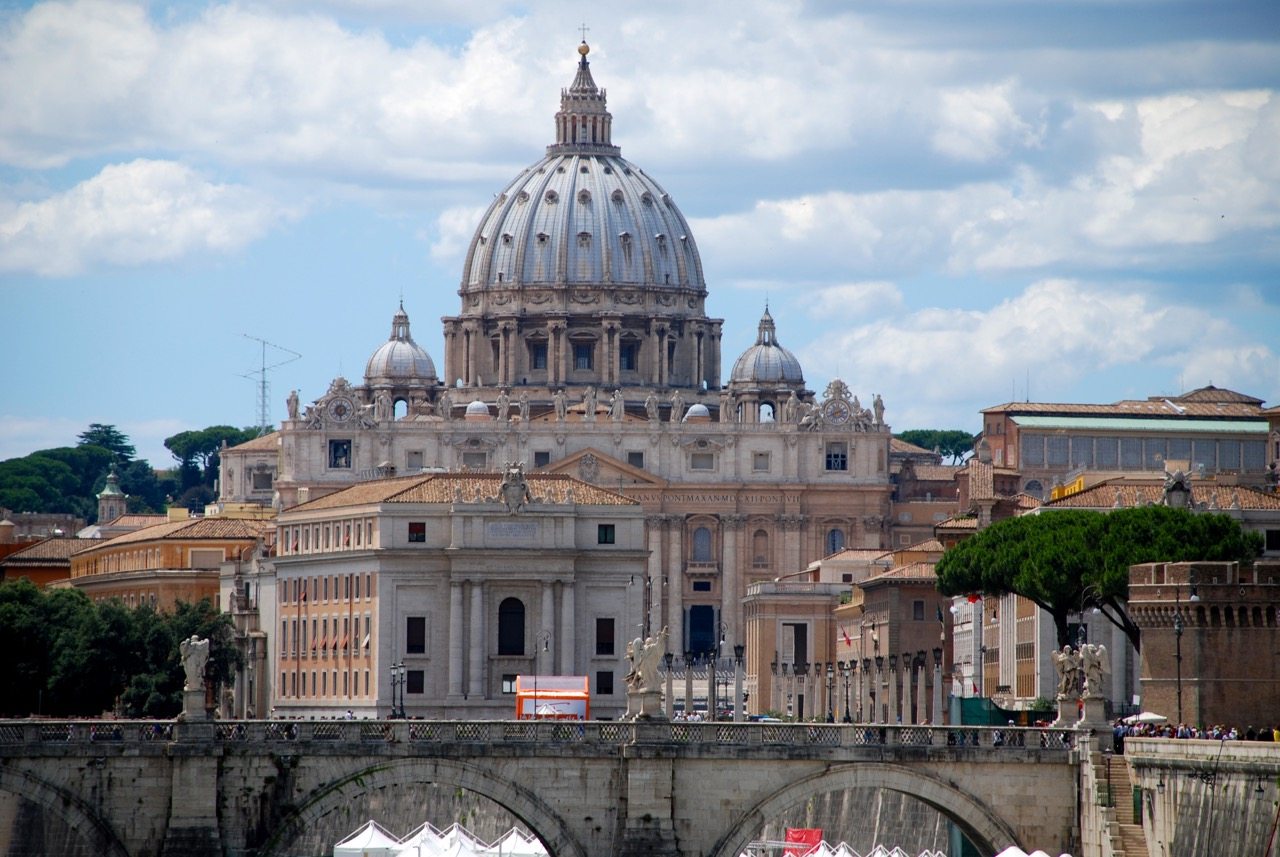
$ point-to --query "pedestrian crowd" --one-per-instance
(1217, 732)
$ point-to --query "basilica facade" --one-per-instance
(582, 348)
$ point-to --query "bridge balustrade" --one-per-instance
(322, 732)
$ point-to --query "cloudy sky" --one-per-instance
(951, 204)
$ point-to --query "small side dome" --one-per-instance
(477, 410)
(767, 362)
(697, 413)
(400, 360)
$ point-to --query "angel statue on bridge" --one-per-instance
(645, 656)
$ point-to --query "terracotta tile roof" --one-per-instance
(858, 554)
(1120, 494)
(981, 480)
(915, 571)
(960, 522)
(135, 521)
(901, 447)
(47, 552)
(464, 487)
(926, 545)
(937, 472)
(1024, 502)
(1228, 404)
(267, 443)
(191, 529)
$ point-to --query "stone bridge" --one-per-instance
(587, 789)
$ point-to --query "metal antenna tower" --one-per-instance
(260, 375)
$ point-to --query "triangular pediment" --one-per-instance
(598, 468)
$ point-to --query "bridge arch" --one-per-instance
(989, 833)
(96, 834)
(524, 804)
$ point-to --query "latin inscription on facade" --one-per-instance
(510, 531)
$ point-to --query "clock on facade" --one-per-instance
(340, 409)
(836, 411)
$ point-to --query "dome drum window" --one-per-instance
(542, 237)
(522, 197)
(646, 198)
(551, 197)
(584, 238)
(506, 239)
(584, 196)
(616, 196)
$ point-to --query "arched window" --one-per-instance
(760, 549)
(511, 627)
(835, 541)
(766, 412)
(1035, 489)
(702, 545)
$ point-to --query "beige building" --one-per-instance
(583, 348)
(427, 595)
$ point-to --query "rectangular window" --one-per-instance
(604, 683)
(760, 462)
(415, 681)
(537, 355)
(475, 460)
(584, 355)
(340, 454)
(413, 460)
(629, 357)
(917, 611)
(262, 480)
(636, 459)
(604, 636)
(508, 683)
(415, 635)
(541, 458)
(702, 461)
(1057, 450)
(1032, 449)
(837, 456)
(702, 586)
(206, 558)
(357, 587)
(417, 531)
(604, 534)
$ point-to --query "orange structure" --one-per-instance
(552, 697)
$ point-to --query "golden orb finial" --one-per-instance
(584, 48)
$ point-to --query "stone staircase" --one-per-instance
(1133, 840)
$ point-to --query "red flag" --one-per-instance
(805, 837)
(848, 641)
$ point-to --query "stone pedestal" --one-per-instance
(644, 705)
(1068, 712)
(193, 705)
(1095, 719)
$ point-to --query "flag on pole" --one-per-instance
(848, 641)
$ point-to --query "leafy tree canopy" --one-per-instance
(197, 452)
(954, 444)
(109, 438)
(1065, 561)
(69, 656)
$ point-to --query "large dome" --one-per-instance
(583, 214)
(400, 360)
(767, 362)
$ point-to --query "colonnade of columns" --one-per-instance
(694, 360)
(873, 690)
(469, 638)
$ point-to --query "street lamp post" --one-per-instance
(738, 651)
(786, 668)
(397, 690)
(1178, 627)
(831, 690)
(667, 659)
(688, 684)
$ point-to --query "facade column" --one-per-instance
(450, 353)
(457, 643)
(653, 606)
(655, 367)
(731, 577)
(548, 624)
(935, 716)
(675, 582)
(567, 630)
(713, 373)
(475, 683)
(562, 350)
(922, 691)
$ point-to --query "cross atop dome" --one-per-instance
(584, 124)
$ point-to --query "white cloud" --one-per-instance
(131, 214)
(854, 301)
(981, 123)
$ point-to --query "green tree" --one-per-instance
(110, 438)
(1066, 561)
(198, 452)
(953, 444)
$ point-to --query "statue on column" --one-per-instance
(877, 405)
(651, 406)
(645, 655)
(524, 406)
(504, 406)
(726, 407)
(589, 405)
(445, 405)
(1095, 665)
(561, 404)
(790, 408)
(383, 410)
(1067, 663)
(617, 407)
(195, 654)
(677, 407)
(292, 404)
